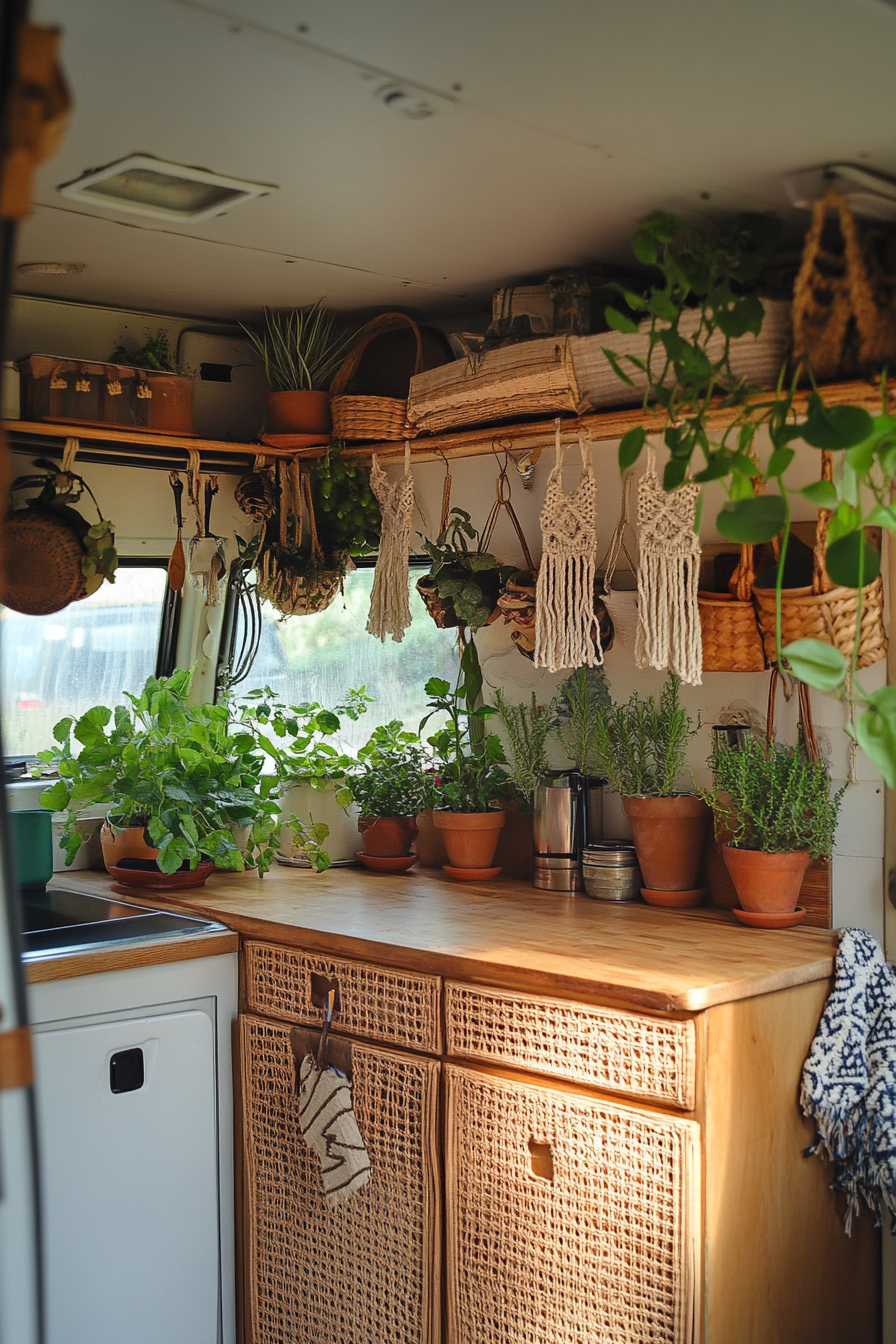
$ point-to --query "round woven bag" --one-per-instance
(42, 571)
(376, 419)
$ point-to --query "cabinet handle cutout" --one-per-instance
(542, 1160)
(321, 985)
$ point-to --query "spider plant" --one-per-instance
(297, 347)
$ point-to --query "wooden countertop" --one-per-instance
(505, 933)
(127, 956)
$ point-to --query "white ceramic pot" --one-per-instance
(343, 842)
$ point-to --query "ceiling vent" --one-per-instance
(870, 195)
(408, 103)
(143, 185)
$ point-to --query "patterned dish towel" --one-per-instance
(327, 1123)
(849, 1079)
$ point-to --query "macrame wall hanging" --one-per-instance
(390, 612)
(566, 627)
(668, 577)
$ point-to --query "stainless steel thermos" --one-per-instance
(569, 814)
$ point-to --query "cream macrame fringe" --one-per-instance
(390, 613)
(668, 578)
(566, 627)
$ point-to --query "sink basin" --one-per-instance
(72, 921)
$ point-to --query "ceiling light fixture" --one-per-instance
(144, 185)
(870, 195)
(51, 267)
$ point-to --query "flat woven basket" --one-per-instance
(824, 611)
(42, 563)
(376, 419)
(731, 638)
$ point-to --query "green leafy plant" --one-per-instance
(298, 348)
(773, 798)
(581, 699)
(309, 837)
(641, 746)
(394, 774)
(155, 355)
(528, 726)
(468, 580)
(296, 738)
(469, 761)
(348, 514)
(59, 491)
(174, 768)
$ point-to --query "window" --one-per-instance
(87, 654)
(320, 657)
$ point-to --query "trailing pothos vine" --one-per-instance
(708, 274)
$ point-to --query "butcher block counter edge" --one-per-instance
(128, 956)
(504, 933)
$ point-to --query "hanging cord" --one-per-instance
(807, 724)
(390, 612)
(446, 495)
(618, 546)
(503, 502)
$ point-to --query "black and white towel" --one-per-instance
(327, 1124)
(849, 1078)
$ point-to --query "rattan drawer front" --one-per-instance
(599, 1247)
(368, 1271)
(648, 1057)
(378, 1004)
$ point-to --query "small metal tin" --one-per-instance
(610, 871)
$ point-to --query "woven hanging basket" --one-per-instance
(731, 638)
(42, 563)
(297, 585)
(375, 419)
(296, 595)
(824, 611)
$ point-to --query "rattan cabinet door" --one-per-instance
(571, 1220)
(366, 1272)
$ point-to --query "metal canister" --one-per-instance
(610, 871)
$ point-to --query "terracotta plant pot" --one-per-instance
(299, 413)
(171, 407)
(430, 846)
(767, 884)
(471, 838)
(516, 851)
(668, 835)
(387, 837)
(127, 844)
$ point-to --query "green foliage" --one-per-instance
(774, 799)
(59, 491)
(155, 355)
(298, 348)
(309, 837)
(394, 774)
(470, 581)
(173, 767)
(528, 727)
(469, 761)
(641, 746)
(346, 509)
(582, 697)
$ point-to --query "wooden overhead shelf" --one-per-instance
(167, 451)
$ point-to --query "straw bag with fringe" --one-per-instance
(844, 321)
(621, 605)
(825, 611)
(376, 419)
(731, 638)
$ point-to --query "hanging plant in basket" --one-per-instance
(54, 556)
(463, 585)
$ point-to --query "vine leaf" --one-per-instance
(754, 520)
(818, 664)
(852, 561)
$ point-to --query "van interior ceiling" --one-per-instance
(461, 171)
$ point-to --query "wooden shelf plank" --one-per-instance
(111, 438)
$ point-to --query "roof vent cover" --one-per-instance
(144, 185)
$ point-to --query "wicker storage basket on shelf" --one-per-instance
(731, 638)
(824, 610)
(376, 419)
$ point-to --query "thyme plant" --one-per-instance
(641, 746)
(528, 727)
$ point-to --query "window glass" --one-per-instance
(87, 654)
(320, 657)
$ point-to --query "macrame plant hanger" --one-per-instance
(390, 612)
(669, 637)
(567, 633)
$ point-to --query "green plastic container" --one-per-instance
(32, 841)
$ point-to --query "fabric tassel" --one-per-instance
(669, 636)
(390, 612)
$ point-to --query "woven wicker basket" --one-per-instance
(372, 418)
(42, 563)
(824, 611)
(731, 638)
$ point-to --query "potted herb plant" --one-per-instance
(299, 352)
(640, 746)
(463, 585)
(178, 783)
(778, 808)
(390, 786)
(527, 727)
(168, 385)
(310, 774)
(470, 777)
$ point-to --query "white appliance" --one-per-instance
(134, 1119)
(231, 392)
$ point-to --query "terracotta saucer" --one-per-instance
(139, 877)
(295, 440)
(674, 900)
(781, 920)
(470, 874)
(394, 864)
